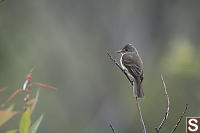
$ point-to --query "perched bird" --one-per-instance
(132, 63)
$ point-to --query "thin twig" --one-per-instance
(27, 98)
(140, 114)
(112, 128)
(131, 82)
(168, 107)
(178, 122)
(28, 89)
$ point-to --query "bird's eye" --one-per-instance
(126, 50)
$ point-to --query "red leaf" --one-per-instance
(43, 85)
(5, 115)
(13, 95)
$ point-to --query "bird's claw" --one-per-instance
(124, 70)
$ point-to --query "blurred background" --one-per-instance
(67, 40)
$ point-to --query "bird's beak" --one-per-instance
(119, 51)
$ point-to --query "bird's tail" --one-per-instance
(138, 92)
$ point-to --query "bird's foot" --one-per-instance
(123, 70)
(132, 82)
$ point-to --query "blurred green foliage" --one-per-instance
(25, 122)
(6, 115)
(34, 127)
(182, 59)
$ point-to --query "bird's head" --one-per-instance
(127, 48)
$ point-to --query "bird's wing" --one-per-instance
(133, 63)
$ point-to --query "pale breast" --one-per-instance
(122, 63)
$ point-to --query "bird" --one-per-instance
(132, 63)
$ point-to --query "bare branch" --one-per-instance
(140, 114)
(178, 122)
(131, 82)
(138, 105)
(168, 107)
(112, 128)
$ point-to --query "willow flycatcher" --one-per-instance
(132, 63)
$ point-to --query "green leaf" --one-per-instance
(25, 121)
(5, 115)
(12, 131)
(36, 99)
(35, 126)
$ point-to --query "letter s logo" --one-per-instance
(193, 123)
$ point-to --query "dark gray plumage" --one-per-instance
(131, 61)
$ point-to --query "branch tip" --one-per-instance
(112, 128)
(168, 107)
(180, 118)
